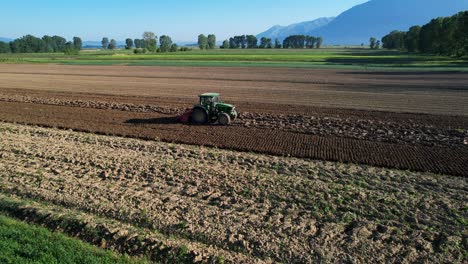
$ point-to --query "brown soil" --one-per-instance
(438, 159)
(144, 101)
(367, 125)
(436, 93)
(230, 204)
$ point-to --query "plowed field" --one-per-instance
(322, 166)
(280, 109)
(197, 204)
(436, 93)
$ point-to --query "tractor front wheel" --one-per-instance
(199, 116)
(224, 119)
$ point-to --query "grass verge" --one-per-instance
(23, 243)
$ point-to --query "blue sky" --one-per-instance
(183, 20)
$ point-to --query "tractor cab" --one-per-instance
(209, 98)
(209, 101)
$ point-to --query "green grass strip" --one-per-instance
(23, 243)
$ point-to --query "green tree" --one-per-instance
(70, 49)
(412, 39)
(77, 43)
(105, 43)
(372, 42)
(129, 43)
(174, 48)
(150, 41)
(202, 42)
(252, 42)
(277, 44)
(243, 41)
(60, 43)
(460, 34)
(319, 42)
(50, 44)
(294, 41)
(225, 44)
(143, 44)
(112, 44)
(232, 43)
(28, 44)
(265, 43)
(165, 43)
(310, 42)
(394, 40)
(137, 43)
(211, 41)
(4, 47)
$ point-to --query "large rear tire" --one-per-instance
(224, 119)
(199, 116)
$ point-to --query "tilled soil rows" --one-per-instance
(439, 159)
(349, 126)
(257, 208)
(417, 92)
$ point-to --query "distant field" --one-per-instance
(354, 58)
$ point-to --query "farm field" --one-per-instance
(326, 57)
(418, 92)
(321, 165)
(281, 111)
(197, 204)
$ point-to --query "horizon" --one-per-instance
(190, 18)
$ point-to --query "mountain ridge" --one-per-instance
(376, 18)
(282, 32)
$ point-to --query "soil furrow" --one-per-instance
(152, 126)
(365, 90)
(261, 207)
(357, 128)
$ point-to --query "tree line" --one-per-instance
(32, 44)
(251, 42)
(302, 41)
(148, 43)
(441, 36)
(206, 42)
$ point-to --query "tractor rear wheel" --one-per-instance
(224, 119)
(199, 116)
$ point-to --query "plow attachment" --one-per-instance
(185, 117)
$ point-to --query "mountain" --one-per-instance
(281, 32)
(5, 39)
(377, 18)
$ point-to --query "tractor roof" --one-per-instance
(210, 95)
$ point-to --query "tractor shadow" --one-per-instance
(153, 121)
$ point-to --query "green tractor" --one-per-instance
(209, 111)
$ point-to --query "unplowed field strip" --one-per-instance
(442, 160)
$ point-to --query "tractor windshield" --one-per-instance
(208, 100)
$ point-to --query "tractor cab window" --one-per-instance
(208, 100)
(205, 100)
